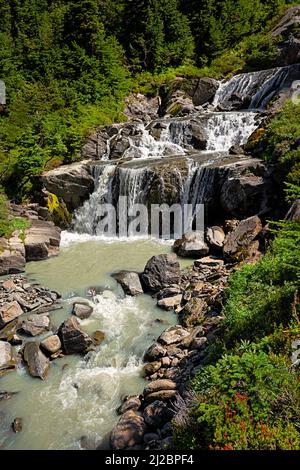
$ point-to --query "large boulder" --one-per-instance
(157, 385)
(74, 183)
(161, 271)
(9, 311)
(154, 352)
(205, 91)
(12, 255)
(73, 339)
(172, 335)
(5, 355)
(128, 432)
(191, 245)
(42, 239)
(130, 282)
(239, 240)
(248, 189)
(38, 364)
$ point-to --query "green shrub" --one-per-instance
(244, 402)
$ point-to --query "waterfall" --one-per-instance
(228, 129)
(256, 88)
(143, 145)
(85, 219)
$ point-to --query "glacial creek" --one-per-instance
(76, 406)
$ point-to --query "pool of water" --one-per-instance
(81, 394)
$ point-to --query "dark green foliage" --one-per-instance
(219, 25)
(156, 34)
(64, 75)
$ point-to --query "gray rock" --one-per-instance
(215, 236)
(161, 271)
(161, 395)
(11, 262)
(8, 312)
(237, 241)
(5, 355)
(128, 432)
(82, 310)
(42, 239)
(35, 324)
(205, 91)
(157, 414)
(170, 303)
(158, 385)
(73, 339)
(191, 245)
(130, 282)
(172, 335)
(38, 364)
(51, 345)
(154, 352)
(74, 183)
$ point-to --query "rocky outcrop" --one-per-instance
(73, 183)
(130, 282)
(38, 364)
(240, 240)
(191, 245)
(248, 189)
(73, 339)
(138, 106)
(161, 271)
(287, 30)
(186, 96)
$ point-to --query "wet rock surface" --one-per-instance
(73, 339)
(38, 364)
(161, 271)
(130, 282)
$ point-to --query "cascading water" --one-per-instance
(258, 88)
(228, 129)
(85, 219)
